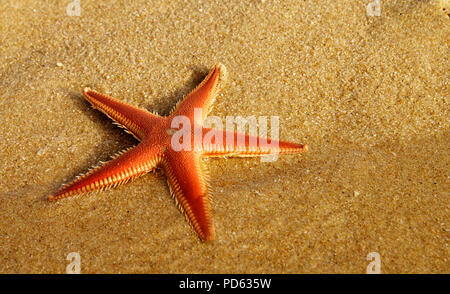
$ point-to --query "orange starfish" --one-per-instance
(159, 148)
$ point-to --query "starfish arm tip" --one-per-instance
(208, 238)
(220, 65)
(223, 71)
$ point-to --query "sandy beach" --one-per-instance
(366, 89)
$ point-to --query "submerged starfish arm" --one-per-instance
(233, 144)
(135, 120)
(125, 166)
(203, 96)
(188, 185)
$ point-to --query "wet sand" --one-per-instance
(368, 94)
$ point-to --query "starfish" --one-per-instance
(159, 147)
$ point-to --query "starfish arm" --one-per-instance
(203, 96)
(225, 143)
(188, 185)
(135, 120)
(125, 166)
